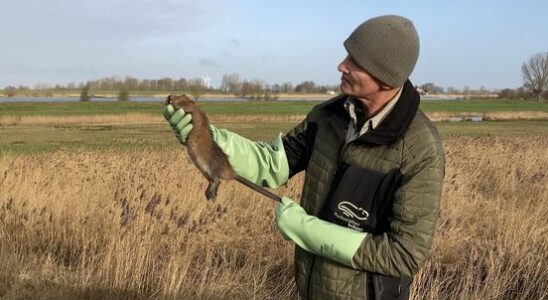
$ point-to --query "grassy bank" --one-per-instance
(251, 108)
(483, 106)
(152, 108)
(44, 137)
(120, 225)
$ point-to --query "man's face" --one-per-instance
(355, 81)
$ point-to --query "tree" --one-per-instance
(131, 83)
(181, 84)
(431, 88)
(535, 74)
(196, 88)
(287, 87)
(306, 87)
(123, 95)
(251, 89)
(507, 94)
(231, 83)
(452, 90)
(84, 96)
(10, 91)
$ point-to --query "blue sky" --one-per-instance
(463, 43)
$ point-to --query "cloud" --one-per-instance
(267, 57)
(66, 38)
(209, 63)
(235, 42)
(104, 21)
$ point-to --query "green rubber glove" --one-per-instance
(258, 162)
(180, 122)
(317, 236)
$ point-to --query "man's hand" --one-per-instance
(317, 236)
(180, 121)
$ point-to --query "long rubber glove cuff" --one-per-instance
(258, 162)
(317, 236)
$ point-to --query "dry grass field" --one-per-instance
(136, 225)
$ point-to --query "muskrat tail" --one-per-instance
(257, 188)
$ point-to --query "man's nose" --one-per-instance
(343, 68)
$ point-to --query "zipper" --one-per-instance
(341, 153)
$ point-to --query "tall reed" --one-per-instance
(117, 225)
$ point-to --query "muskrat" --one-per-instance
(205, 153)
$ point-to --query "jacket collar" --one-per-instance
(392, 127)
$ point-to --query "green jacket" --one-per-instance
(387, 182)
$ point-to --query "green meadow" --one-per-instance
(153, 108)
(23, 137)
(250, 108)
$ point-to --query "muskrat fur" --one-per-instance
(206, 155)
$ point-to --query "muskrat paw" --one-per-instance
(211, 191)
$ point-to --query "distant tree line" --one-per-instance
(518, 93)
(534, 73)
(114, 84)
(133, 84)
(259, 90)
(431, 88)
(231, 84)
(535, 83)
(535, 80)
(11, 91)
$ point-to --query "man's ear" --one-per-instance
(385, 87)
(382, 85)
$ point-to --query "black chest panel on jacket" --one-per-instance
(361, 199)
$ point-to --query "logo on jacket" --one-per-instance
(352, 211)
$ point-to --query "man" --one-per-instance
(374, 169)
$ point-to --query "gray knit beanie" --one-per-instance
(387, 47)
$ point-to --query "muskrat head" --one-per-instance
(180, 101)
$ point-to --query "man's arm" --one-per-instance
(297, 145)
(399, 252)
